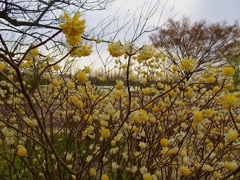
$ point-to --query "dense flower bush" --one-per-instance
(166, 126)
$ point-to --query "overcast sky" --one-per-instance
(123, 10)
(212, 10)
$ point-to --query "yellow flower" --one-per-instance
(197, 116)
(166, 151)
(175, 68)
(82, 50)
(217, 175)
(164, 142)
(185, 171)
(28, 57)
(56, 67)
(11, 76)
(82, 77)
(188, 94)
(116, 49)
(90, 129)
(228, 101)
(231, 166)
(207, 168)
(156, 109)
(2, 66)
(143, 81)
(146, 91)
(145, 53)
(227, 72)
(72, 28)
(147, 176)
(143, 115)
(104, 177)
(210, 144)
(92, 172)
(103, 123)
(114, 166)
(34, 52)
(119, 85)
(209, 113)
(105, 133)
(87, 69)
(65, 17)
(22, 151)
(238, 118)
(142, 145)
(86, 50)
(134, 78)
(210, 79)
(69, 156)
(232, 135)
(55, 82)
(216, 89)
(88, 118)
(13, 120)
(70, 85)
(188, 64)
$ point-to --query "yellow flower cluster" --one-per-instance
(232, 135)
(227, 72)
(140, 116)
(197, 116)
(104, 177)
(185, 171)
(105, 133)
(21, 151)
(231, 166)
(188, 64)
(82, 77)
(229, 101)
(34, 52)
(81, 50)
(145, 53)
(147, 176)
(70, 85)
(73, 28)
(2, 66)
(116, 49)
(119, 85)
(92, 172)
(164, 142)
(88, 118)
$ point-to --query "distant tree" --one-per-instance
(206, 43)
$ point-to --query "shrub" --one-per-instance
(68, 129)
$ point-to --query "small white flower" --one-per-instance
(143, 170)
(89, 158)
(130, 48)
(134, 169)
(142, 145)
(115, 166)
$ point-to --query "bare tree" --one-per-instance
(34, 21)
(206, 43)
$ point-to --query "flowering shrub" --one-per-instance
(168, 127)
